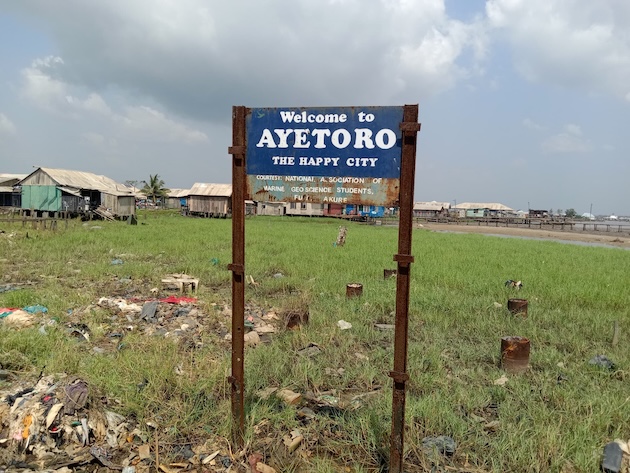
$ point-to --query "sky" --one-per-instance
(522, 102)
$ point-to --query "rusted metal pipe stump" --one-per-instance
(517, 307)
(515, 354)
(354, 290)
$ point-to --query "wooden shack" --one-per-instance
(75, 192)
(9, 194)
(210, 200)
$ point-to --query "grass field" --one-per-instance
(556, 417)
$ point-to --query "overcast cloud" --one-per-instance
(522, 101)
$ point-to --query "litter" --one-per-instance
(602, 361)
(178, 300)
(181, 282)
(343, 325)
(4, 311)
(117, 261)
(515, 284)
(442, 444)
(613, 455)
(35, 309)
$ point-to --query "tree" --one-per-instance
(154, 188)
(570, 213)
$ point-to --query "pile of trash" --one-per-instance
(56, 424)
(50, 424)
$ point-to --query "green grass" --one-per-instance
(555, 417)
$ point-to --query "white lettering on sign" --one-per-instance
(361, 162)
(283, 160)
(299, 178)
(340, 138)
(354, 190)
(336, 200)
(318, 161)
(292, 117)
(348, 180)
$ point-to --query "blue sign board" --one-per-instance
(334, 154)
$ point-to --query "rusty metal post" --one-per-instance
(354, 290)
(237, 379)
(410, 128)
(515, 354)
(517, 307)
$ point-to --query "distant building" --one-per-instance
(176, 199)
(308, 209)
(538, 213)
(210, 200)
(10, 195)
(431, 209)
(484, 209)
(76, 192)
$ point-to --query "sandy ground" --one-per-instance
(619, 240)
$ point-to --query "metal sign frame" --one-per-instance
(409, 127)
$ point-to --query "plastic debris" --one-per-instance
(515, 284)
(214, 261)
(117, 261)
(343, 325)
(35, 309)
(148, 311)
(501, 381)
(613, 455)
(4, 311)
(385, 326)
(443, 445)
(19, 318)
(602, 361)
(312, 349)
(178, 300)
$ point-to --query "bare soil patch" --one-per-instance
(616, 239)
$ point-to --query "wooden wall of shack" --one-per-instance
(214, 205)
(119, 205)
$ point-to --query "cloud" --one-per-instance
(197, 58)
(153, 124)
(568, 141)
(6, 126)
(532, 125)
(42, 87)
(570, 43)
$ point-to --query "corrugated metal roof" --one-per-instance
(433, 205)
(86, 180)
(8, 178)
(6, 189)
(177, 193)
(216, 190)
(483, 205)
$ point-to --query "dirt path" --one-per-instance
(620, 240)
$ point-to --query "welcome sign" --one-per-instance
(343, 155)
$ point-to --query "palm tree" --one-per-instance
(154, 188)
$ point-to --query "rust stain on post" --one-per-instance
(354, 290)
(518, 307)
(409, 127)
(515, 354)
(237, 381)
